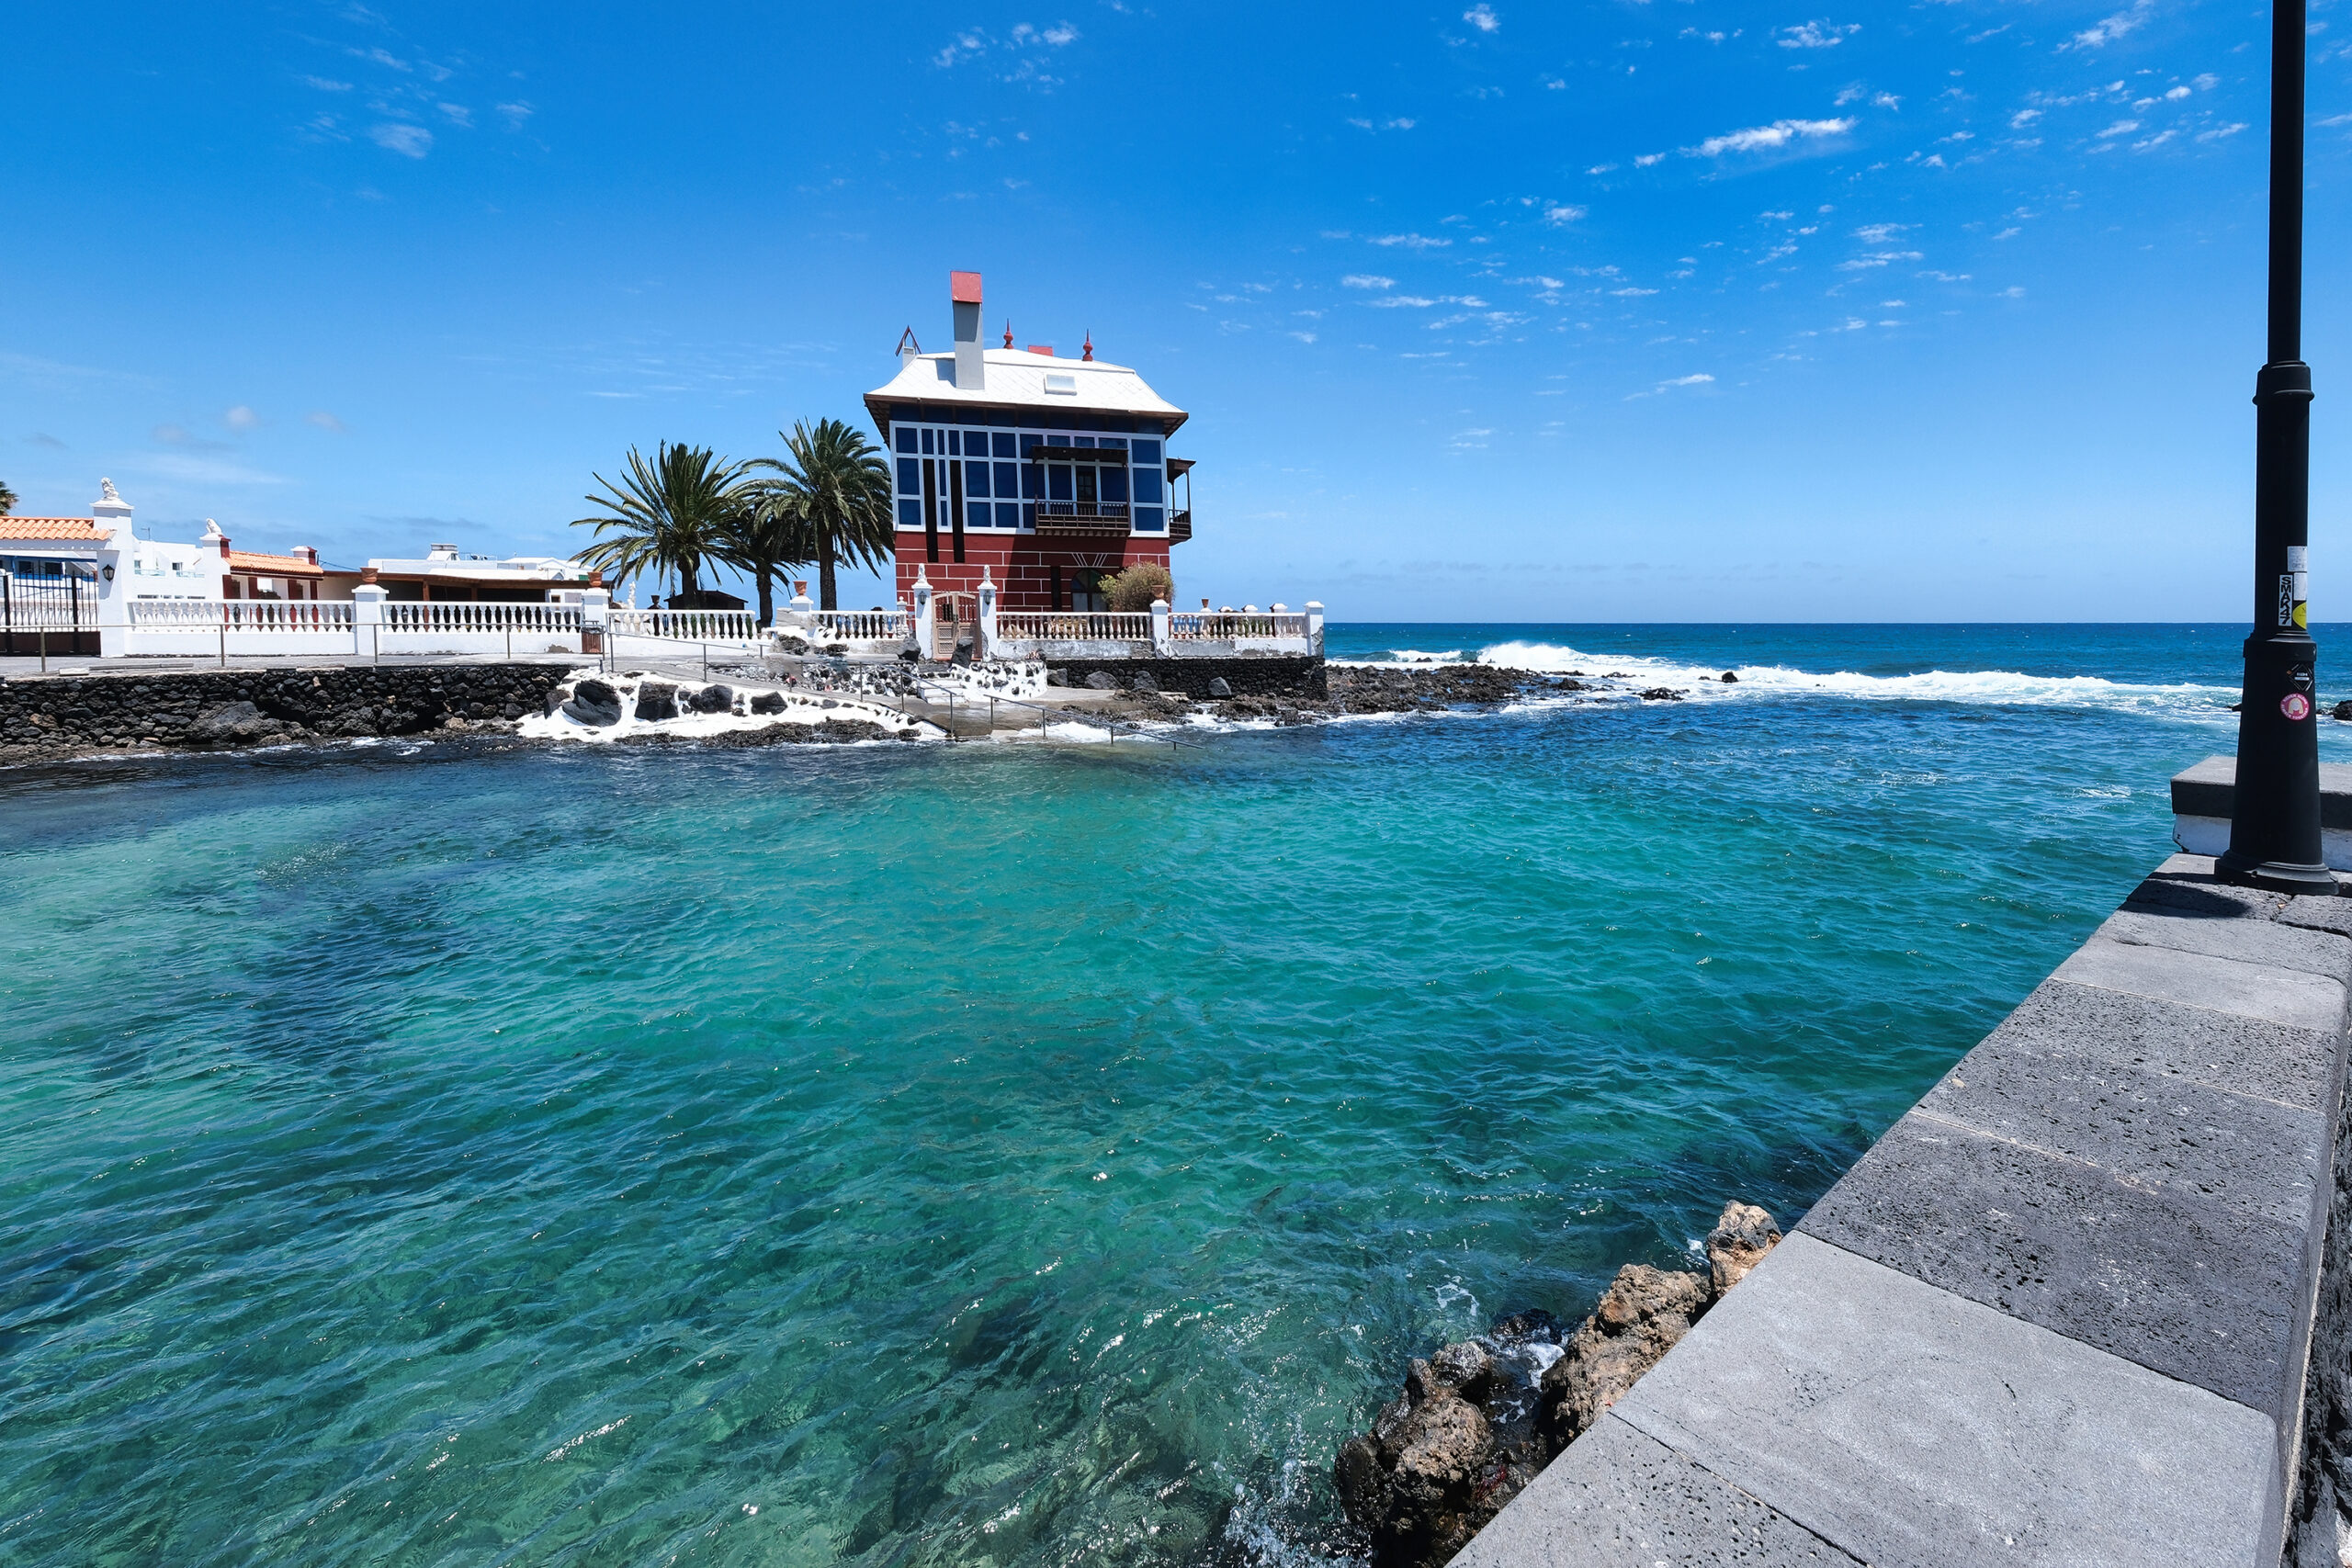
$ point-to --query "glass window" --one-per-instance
(1032, 481)
(954, 443)
(1008, 514)
(1003, 442)
(1109, 443)
(1057, 481)
(906, 438)
(1029, 516)
(976, 478)
(1146, 451)
(909, 476)
(1029, 441)
(1148, 520)
(1115, 484)
(1008, 479)
(976, 443)
(978, 514)
(926, 440)
(1081, 441)
(1147, 484)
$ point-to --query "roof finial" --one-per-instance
(1007, 331)
(1089, 353)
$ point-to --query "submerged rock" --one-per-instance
(1661, 694)
(1731, 677)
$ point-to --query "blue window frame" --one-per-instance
(911, 514)
(976, 478)
(1147, 485)
(926, 441)
(1003, 443)
(1008, 514)
(1008, 479)
(906, 438)
(1148, 520)
(909, 476)
(978, 513)
(1146, 451)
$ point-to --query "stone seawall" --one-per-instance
(2061, 1313)
(1272, 675)
(68, 716)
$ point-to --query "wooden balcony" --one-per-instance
(1179, 527)
(1096, 517)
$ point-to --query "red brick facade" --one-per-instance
(1021, 565)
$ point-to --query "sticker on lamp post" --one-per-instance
(2295, 706)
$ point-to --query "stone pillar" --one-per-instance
(114, 589)
(924, 631)
(367, 619)
(1164, 628)
(800, 616)
(1315, 627)
(213, 562)
(984, 639)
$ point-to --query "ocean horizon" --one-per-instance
(464, 1152)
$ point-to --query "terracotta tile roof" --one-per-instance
(48, 529)
(272, 566)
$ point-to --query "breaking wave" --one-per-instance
(2007, 688)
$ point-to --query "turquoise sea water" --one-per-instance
(977, 1154)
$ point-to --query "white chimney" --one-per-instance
(971, 369)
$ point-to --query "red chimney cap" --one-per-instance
(1045, 348)
(964, 287)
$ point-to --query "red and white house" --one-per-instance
(1045, 471)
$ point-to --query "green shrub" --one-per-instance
(1138, 585)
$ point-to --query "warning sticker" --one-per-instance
(2294, 704)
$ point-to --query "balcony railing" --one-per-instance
(1179, 527)
(1081, 516)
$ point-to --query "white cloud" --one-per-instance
(1878, 233)
(408, 140)
(2120, 127)
(2023, 118)
(2177, 93)
(1698, 379)
(2220, 130)
(1631, 293)
(241, 418)
(1367, 281)
(1412, 301)
(514, 115)
(1561, 213)
(1645, 160)
(1779, 133)
(2113, 27)
(458, 113)
(324, 85)
(1880, 258)
(325, 421)
(1482, 16)
(1304, 337)
(1817, 34)
(1409, 242)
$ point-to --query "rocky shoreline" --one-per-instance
(1480, 1419)
(61, 718)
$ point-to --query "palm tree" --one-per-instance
(673, 515)
(7, 500)
(770, 535)
(841, 485)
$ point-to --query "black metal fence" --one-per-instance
(48, 614)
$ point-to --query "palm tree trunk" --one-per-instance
(768, 595)
(825, 574)
(686, 583)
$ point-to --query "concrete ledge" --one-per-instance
(2059, 1314)
(2204, 799)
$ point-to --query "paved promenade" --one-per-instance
(2058, 1314)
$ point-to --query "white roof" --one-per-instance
(446, 562)
(1017, 379)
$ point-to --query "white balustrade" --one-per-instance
(459, 615)
(1201, 626)
(1074, 626)
(859, 626)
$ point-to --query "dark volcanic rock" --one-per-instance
(1661, 694)
(1145, 681)
(712, 699)
(1730, 677)
(231, 724)
(1102, 681)
(1220, 687)
(594, 702)
(768, 702)
(655, 701)
(1643, 1315)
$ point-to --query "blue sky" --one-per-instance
(1640, 312)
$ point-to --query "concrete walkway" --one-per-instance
(2058, 1314)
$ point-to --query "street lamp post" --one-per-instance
(2274, 827)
